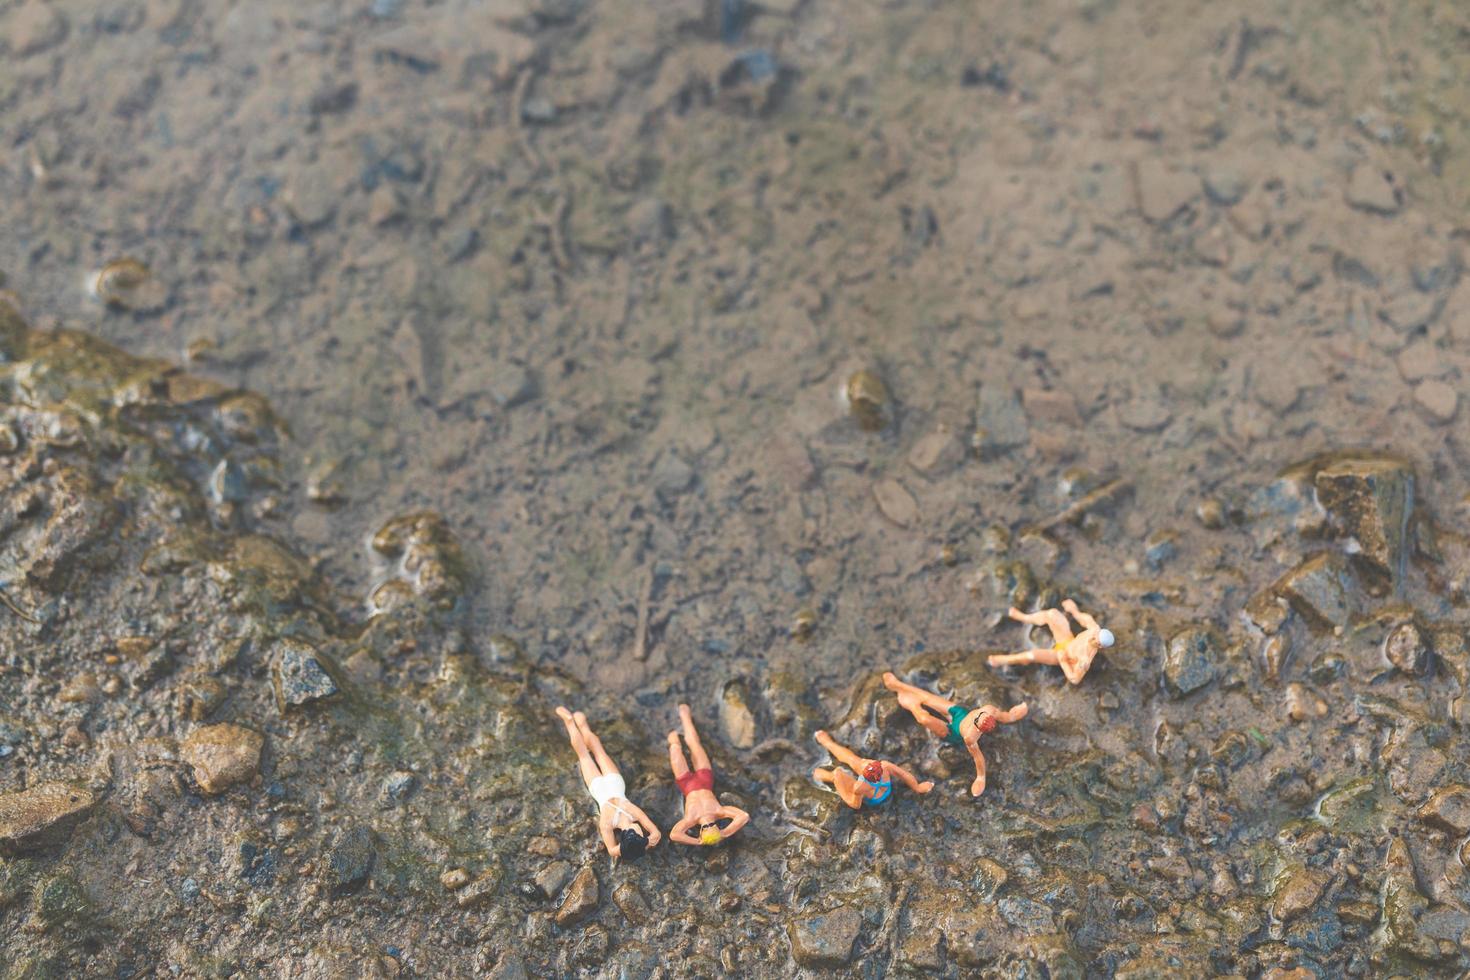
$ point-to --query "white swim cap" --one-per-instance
(1105, 637)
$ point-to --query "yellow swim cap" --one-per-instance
(710, 836)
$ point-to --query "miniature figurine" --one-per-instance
(874, 783)
(702, 809)
(952, 722)
(1074, 654)
(626, 830)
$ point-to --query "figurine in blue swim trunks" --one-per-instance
(874, 783)
(952, 722)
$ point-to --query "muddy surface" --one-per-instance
(377, 377)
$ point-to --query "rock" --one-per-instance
(825, 940)
(867, 400)
(1297, 889)
(1411, 310)
(1000, 422)
(630, 901)
(1224, 186)
(1439, 401)
(671, 476)
(454, 879)
(1406, 649)
(936, 452)
(1145, 413)
(312, 196)
(349, 860)
(1403, 905)
(300, 677)
(649, 221)
(1323, 589)
(896, 503)
(1029, 916)
(1374, 190)
(222, 756)
(1422, 359)
(42, 814)
(510, 385)
(397, 787)
(736, 718)
(553, 877)
(478, 892)
(1163, 192)
(1051, 406)
(1191, 660)
(34, 28)
(1371, 497)
(1302, 704)
(1448, 809)
(580, 900)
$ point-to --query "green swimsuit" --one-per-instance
(956, 716)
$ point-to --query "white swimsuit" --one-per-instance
(607, 786)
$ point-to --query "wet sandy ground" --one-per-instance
(591, 278)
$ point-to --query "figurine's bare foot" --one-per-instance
(1069, 605)
(685, 715)
(673, 738)
(925, 786)
(891, 681)
(977, 787)
(822, 737)
(563, 713)
(580, 718)
(1015, 613)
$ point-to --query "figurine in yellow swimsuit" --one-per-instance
(1073, 653)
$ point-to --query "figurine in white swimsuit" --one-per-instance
(626, 830)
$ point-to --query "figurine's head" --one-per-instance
(631, 843)
(873, 771)
(1105, 638)
(709, 834)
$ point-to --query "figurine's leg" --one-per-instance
(677, 762)
(979, 786)
(823, 775)
(584, 758)
(842, 754)
(696, 750)
(841, 781)
(915, 706)
(1052, 619)
(1037, 656)
(898, 687)
(595, 744)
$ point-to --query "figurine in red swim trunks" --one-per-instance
(702, 809)
(1074, 654)
(874, 783)
(952, 722)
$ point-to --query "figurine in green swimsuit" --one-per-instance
(953, 722)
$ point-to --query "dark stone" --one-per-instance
(825, 940)
(398, 787)
(1371, 498)
(257, 864)
(1192, 659)
(299, 675)
(42, 815)
(1323, 589)
(350, 860)
(1448, 809)
(1406, 649)
(581, 899)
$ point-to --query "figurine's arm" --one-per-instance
(908, 779)
(680, 832)
(738, 818)
(978, 786)
(654, 836)
(1088, 623)
(604, 827)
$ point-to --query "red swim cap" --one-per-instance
(873, 771)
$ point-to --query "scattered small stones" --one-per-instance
(222, 756)
(895, 502)
(300, 677)
(1373, 190)
(42, 814)
(581, 899)
(825, 940)
(1406, 649)
(1191, 660)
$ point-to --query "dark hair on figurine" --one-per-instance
(631, 844)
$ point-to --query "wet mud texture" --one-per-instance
(1158, 306)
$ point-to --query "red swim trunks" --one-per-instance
(698, 779)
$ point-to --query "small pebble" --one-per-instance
(866, 398)
(1210, 513)
(1438, 400)
(896, 503)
